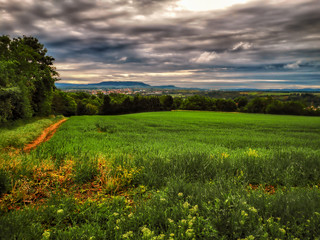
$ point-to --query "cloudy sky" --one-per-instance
(188, 43)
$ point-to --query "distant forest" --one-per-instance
(81, 103)
(27, 89)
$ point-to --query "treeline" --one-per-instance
(81, 103)
(307, 99)
(27, 89)
(27, 78)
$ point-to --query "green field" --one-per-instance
(166, 175)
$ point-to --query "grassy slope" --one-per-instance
(19, 133)
(190, 174)
(187, 131)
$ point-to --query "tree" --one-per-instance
(196, 102)
(126, 105)
(293, 108)
(27, 78)
(276, 107)
(137, 103)
(258, 105)
(38, 70)
(106, 107)
(226, 105)
(63, 104)
(177, 101)
(241, 101)
(153, 103)
(91, 109)
(14, 95)
(166, 102)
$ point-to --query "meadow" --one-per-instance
(164, 175)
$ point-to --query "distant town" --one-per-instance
(126, 91)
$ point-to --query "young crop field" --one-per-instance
(164, 175)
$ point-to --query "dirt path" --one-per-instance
(45, 136)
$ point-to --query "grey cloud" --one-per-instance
(246, 37)
(150, 6)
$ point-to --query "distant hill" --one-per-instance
(110, 84)
(273, 90)
(140, 85)
(115, 85)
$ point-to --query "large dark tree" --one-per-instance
(166, 102)
(106, 107)
(27, 78)
(258, 105)
(196, 102)
(63, 104)
(241, 101)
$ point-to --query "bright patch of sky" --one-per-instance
(205, 5)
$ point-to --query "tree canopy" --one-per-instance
(27, 78)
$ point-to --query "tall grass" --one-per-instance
(85, 169)
(171, 175)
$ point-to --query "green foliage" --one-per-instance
(292, 108)
(177, 101)
(276, 107)
(258, 105)
(273, 106)
(167, 102)
(226, 105)
(196, 102)
(63, 104)
(27, 78)
(91, 109)
(241, 101)
(114, 104)
(106, 106)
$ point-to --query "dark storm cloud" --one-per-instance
(150, 6)
(141, 36)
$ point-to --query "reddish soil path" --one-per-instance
(45, 136)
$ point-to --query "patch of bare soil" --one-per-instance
(45, 136)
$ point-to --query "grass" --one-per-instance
(167, 175)
(18, 133)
